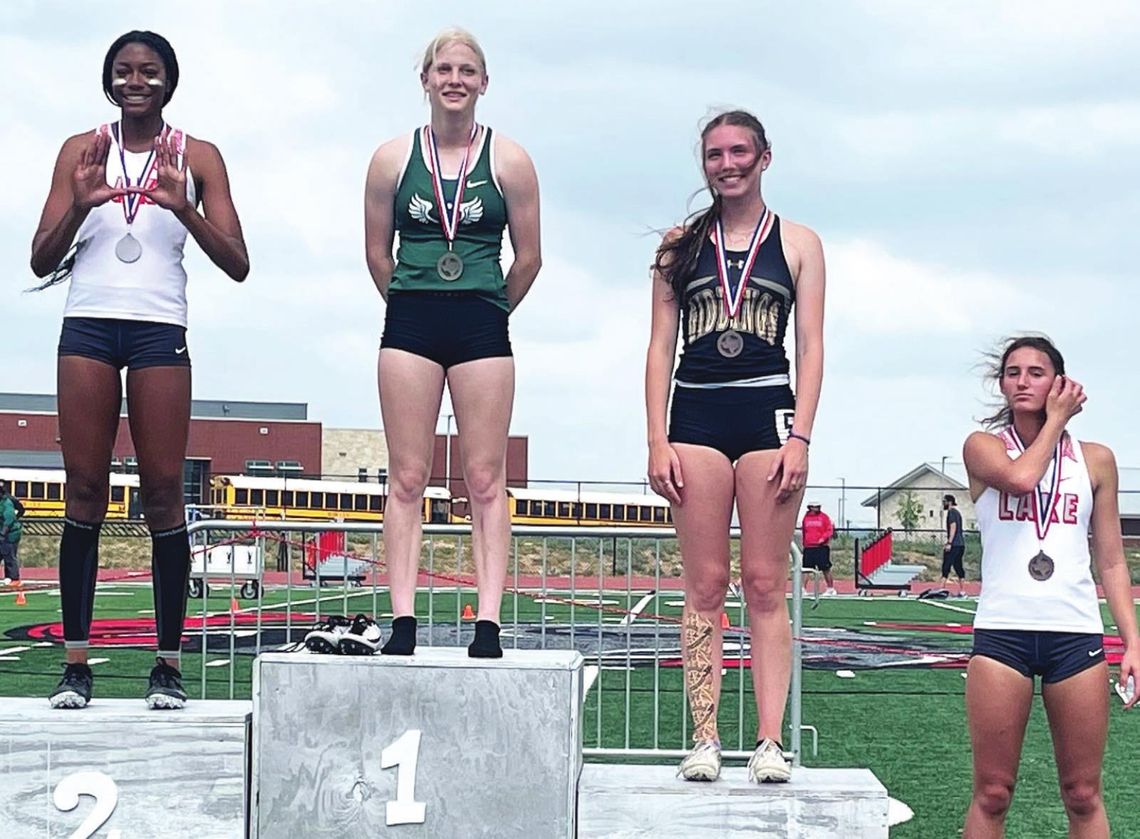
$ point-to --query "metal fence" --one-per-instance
(610, 554)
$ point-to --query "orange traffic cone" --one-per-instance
(21, 598)
(724, 622)
(234, 606)
(468, 612)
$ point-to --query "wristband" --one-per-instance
(794, 436)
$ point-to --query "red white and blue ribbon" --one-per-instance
(132, 201)
(733, 302)
(1044, 501)
(448, 220)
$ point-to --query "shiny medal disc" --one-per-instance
(730, 344)
(1041, 567)
(128, 249)
(449, 267)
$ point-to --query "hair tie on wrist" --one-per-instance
(794, 436)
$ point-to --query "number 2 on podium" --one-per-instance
(404, 753)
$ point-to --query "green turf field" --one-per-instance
(905, 722)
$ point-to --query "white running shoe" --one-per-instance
(767, 764)
(830, 593)
(702, 763)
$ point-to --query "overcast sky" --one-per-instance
(971, 167)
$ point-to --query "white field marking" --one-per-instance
(91, 661)
(579, 602)
(964, 676)
(845, 674)
(221, 662)
(637, 610)
(9, 658)
(897, 812)
(146, 611)
(43, 644)
(590, 674)
(115, 593)
(870, 623)
(14, 650)
(938, 605)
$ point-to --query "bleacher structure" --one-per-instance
(874, 569)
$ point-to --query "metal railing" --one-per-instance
(604, 547)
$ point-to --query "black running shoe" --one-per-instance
(165, 690)
(325, 637)
(362, 638)
(74, 689)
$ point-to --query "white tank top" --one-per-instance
(1011, 597)
(153, 288)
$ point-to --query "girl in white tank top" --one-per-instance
(1039, 493)
(127, 195)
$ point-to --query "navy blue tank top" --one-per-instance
(723, 350)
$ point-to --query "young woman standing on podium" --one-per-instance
(727, 278)
(1038, 493)
(449, 189)
(127, 195)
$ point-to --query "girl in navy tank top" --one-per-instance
(727, 279)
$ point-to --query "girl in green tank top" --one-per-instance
(449, 190)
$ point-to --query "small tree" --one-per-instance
(909, 511)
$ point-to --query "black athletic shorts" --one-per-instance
(732, 420)
(818, 557)
(1051, 655)
(133, 344)
(447, 327)
(953, 559)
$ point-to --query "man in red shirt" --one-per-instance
(817, 533)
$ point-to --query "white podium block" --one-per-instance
(651, 801)
(154, 773)
(431, 745)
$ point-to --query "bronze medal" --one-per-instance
(449, 267)
(730, 344)
(1041, 567)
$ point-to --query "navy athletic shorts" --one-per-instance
(133, 344)
(1053, 656)
(732, 420)
(447, 327)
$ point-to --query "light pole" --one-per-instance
(843, 504)
(945, 489)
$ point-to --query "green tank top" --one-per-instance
(478, 242)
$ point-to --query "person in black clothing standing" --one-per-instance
(955, 547)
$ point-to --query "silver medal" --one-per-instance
(128, 249)
(449, 267)
(1041, 566)
(730, 344)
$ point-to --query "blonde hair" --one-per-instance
(452, 35)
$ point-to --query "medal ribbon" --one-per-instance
(733, 302)
(132, 202)
(1044, 503)
(449, 221)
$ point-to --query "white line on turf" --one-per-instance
(938, 605)
(14, 650)
(589, 673)
(636, 610)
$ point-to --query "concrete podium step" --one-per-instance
(432, 745)
(651, 801)
(154, 773)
